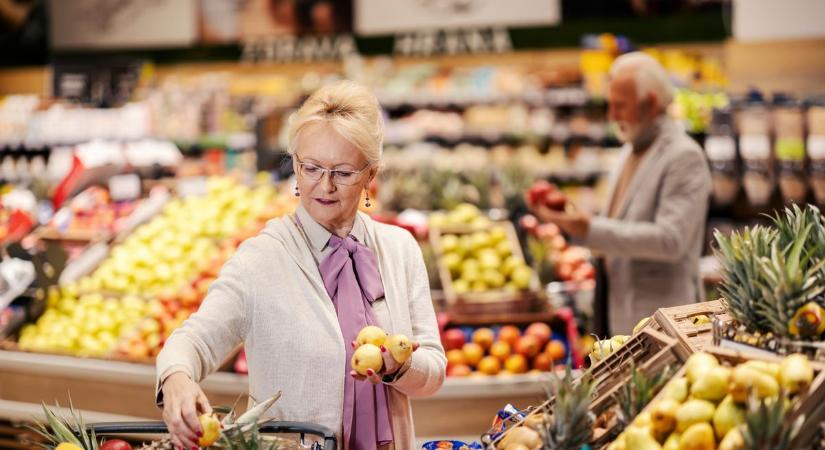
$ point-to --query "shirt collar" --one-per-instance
(319, 236)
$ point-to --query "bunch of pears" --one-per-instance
(705, 408)
(368, 349)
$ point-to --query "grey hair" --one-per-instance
(650, 76)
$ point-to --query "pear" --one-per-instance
(743, 378)
(677, 389)
(768, 368)
(712, 385)
(643, 420)
(698, 436)
(795, 373)
(727, 417)
(640, 439)
(400, 348)
(663, 416)
(698, 364)
(619, 443)
(371, 335)
(366, 357)
(672, 442)
(521, 435)
(641, 324)
(732, 441)
(693, 411)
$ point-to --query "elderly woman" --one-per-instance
(298, 294)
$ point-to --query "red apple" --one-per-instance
(541, 331)
(555, 200)
(558, 243)
(509, 334)
(585, 271)
(528, 346)
(547, 231)
(538, 191)
(459, 370)
(453, 339)
(115, 444)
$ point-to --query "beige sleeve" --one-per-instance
(199, 346)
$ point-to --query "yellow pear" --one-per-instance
(698, 364)
(768, 368)
(619, 443)
(663, 416)
(698, 436)
(672, 442)
(640, 439)
(643, 420)
(733, 440)
(400, 348)
(795, 373)
(521, 435)
(693, 411)
(712, 385)
(641, 324)
(366, 357)
(677, 389)
(728, 416)
(371, 335)
(67, 446)
(211, 429)
(744, 378)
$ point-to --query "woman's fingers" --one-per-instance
(203, 404)
(415, 345)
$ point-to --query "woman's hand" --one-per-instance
(183, 401)
(391, 366)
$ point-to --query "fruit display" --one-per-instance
(546, 194)
(508, 350)
(601, 349)
(708, 404)
(92, 212)
(548, 246)
(485, 260)
(772, 281)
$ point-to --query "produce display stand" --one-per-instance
(127, 389)
(809, 404)
(648, 350)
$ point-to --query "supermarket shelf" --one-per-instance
(22, 411)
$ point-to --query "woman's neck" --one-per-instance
(341, 230)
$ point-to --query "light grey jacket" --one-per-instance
(652, 248)
(271, 297)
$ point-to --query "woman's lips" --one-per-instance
(325, 202)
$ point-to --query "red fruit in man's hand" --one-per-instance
(555, 200)
(539, 190)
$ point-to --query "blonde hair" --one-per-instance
(351, 110)
(649, 75)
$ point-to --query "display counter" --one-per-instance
(463, 406)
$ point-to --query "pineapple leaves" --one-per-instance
(570, 426)
(769, 273)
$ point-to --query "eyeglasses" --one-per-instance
(313, 173)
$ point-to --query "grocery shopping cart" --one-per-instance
(158, 428)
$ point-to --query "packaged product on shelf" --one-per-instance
(758, 174)
(720, 147)
(816, 170)
(789, 123)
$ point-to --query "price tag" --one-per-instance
(124, 187)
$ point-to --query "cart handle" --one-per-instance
(272, 426)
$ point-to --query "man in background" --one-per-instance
(652, 229)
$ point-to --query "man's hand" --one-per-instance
(574, 223)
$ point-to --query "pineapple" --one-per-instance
(638, 392)
(570, 425)
(765, 427)
(770, 275)
(60, 431)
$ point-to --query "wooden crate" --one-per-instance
(648, 350)
(677, 322)
(807, 403)
(487, 302)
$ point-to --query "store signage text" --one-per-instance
(453, 42)
(298, 49)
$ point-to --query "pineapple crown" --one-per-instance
(570, 425)
(769, 273)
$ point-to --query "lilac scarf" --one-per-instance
(351, 276)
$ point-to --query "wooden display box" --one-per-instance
(648, 350)
(495, 301)
(677, 322)
(807, 403)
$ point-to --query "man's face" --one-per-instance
(624, 106)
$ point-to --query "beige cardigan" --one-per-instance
(270, 296)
